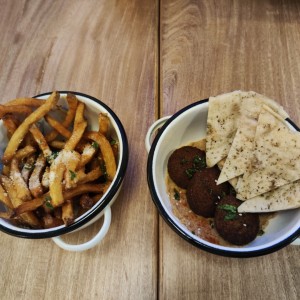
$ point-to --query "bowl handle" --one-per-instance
(152, 129)
(91, 243)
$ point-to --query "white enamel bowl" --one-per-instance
(93, 108)
(187, 125)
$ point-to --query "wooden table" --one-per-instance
(147, 59)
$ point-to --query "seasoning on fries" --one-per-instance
(52, 176)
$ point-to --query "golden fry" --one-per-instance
(57, 144)
(87, 155)
(78, 128)
(45, 178)
(25, 101)
(27, 217)
(56, 175)
(68, 195)
(10, 123)
(91, 176)
(35, 185)
(21, 191)
(72, 103)
(24, 152)
(71, 160)
(18, 109)
(4, 198)
(58, 127)
(6, 170)
(28, 167)
(104, 122)
(107, 152)
(6, 215)
(40, 140)
(68, 213)
(21, 131)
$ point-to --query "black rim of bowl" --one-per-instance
(177, 229)
(103, 203)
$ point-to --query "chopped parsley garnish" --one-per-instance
(48, 202)
(199, 162)
(28, 166)
(190, 172)
(113, 142)
(176, 195)
(95, 145)
(231, 211)
(72, 174)
(51, 157)
(103, 170)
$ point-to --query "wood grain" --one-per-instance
(207, 48)
(107, 49)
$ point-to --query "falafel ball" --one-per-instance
(183, 163)
(236, 228)
(203, 193)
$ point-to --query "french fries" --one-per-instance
(51, 176)
(21, 131)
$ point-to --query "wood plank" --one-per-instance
(208, 48)
(107, 49)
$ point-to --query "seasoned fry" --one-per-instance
(21, 131)
(18, 109)
(57, 167)
(58, 127)
(6, 215)
(22, 191)
(106, 151)
(25, 101)
(45, 178)
(11, 124)
(35, 185)
(91, 176)
(56, 175)
(79, 127)
(28, 167)
(72, 102)
(87, 155)
(6, 170)
(68, 212)
(40, 140)
(104, 122)
(72, 159)
(4, 198)
(24, 152)
(27, 217)
(57, 144)
(68, 195)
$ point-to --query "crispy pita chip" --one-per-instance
(226, 114)
(275, 160)
(283, 198)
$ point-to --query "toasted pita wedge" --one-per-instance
(275, 160)
(283, 198)
(228, 113)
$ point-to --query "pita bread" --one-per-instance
(283, 198)
(275, 160)
(226, 114)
